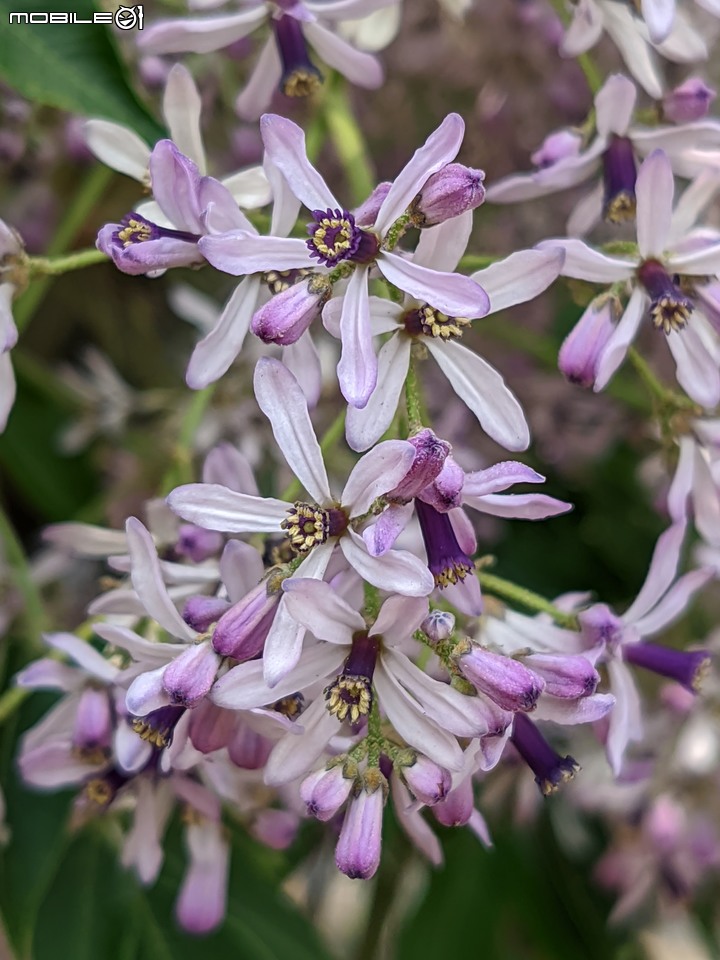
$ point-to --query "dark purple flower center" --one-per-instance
(429, 322)
(334, 237)
(619, 176)
(687, 667)
(670, 309)
(137, 229)
(446, 561)
(550, 769)
(300, 76)
(158, 726)
(349, 696)
(308, 525)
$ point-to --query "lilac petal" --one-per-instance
(584, 263)
(453, 294)
(364, 427)
(397, 571)
(399, 618)
(381, 536)
(619, 341)
(285, 145)
(147, 693)
(621, 24)
(465, 595)
(7, 389)
(663, 567)
(140, 258)
(202, 899)
(655, 189)
(182, 109)
(239, 252)
(413, 823)
(684, 44)
(217, 508)
(139, 648)
(142, 848)
(46, 674)
(442, 246)
(519, 506)
(439, 149)
(658, 16)
(118, 147)
(131, 752)
(216, 352)
(696, 263)
(520, 277)
(250, 189)
(384, 315)
(282, 401)
(463, 530)
(682, 482)
(357, 369)
(707, 500)
(499, 477)
(243, 687)
(674, 602)
(86, 540)
(83, 654)
(260, 86)
(315, 605)
(346, 9)
(199, 35)
(413, 726)
(148, 582)
(360, 68)
(291, 756)
(176, 182)
(303, 360)
(241, 569)
(230, 468)
(626, 716)
(584, 31)
(614, 105)
(696, 369)
(221, 211)
(52, 764)
(586, 213)
(484, 391)
(569, 712)
(286, 205)
(378, 471)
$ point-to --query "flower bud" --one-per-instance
(201, 612)
(240, 633)
(248, 749)
(366, 213)
(550, 769)
(287, 315)
(506, 681)
(582, 348)
(191, 675)
(446, 194)
(197, 544)
(438, 625)
(357, 853)
(427, 781)
(690, 101)
(456, 809)
(445, 492)
(557, 146)
(325, 791)
(212, 727)
(431, 453)
(569, 677)
(93, 722)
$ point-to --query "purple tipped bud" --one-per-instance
(550, 769)
(448, 193)
(568, 677)
(366, 213)
(241, 632)
(197, 544)
(248, 749)
(445, 492)
(93, 722)
(286, 317)
(582, 348)
(457, 808)
(325, 791)
(191, 675)
(427, 781)
(357, 853)
(438, 625)
(201, 612)
(619, 176)
(558, 146)
(687, 667)
(690, 101)
(506, 681)
(431, 453)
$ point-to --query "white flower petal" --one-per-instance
(182, 108)
(441, 247)
(257, 93)
(397, 571)
(360, 68)
(285, 145)
(293, 756)
(118, 147)
(380, 470)
(364, 427)
(614, 105)
(399, 618)
(315, 605)
(625, 717)
(663, 567)
(584, 263)
(520, 277)
(621, 338)
(83, 654)
(655, 188)
(215, 507)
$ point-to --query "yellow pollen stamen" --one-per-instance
(668, 314)
(301, 83)
(621, 208)
(440, 325)
(450, 575)
(145, 730)
(135, 232)
(306, 526)
(349, 698)
(99, 791)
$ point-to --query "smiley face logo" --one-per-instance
(126, 18)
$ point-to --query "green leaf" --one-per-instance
(71, 66)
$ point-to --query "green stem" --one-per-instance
(33, 614)
(181, 469)
(93, 187)
(11, 700)
(526, 598)
(412, 400)
(477, 261)
(329, 439)
(592, 74)
(44, 266)
(349, 142)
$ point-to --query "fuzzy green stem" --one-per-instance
(329, 439)
(526, 598)
(180, 470)
(412, 400)
(33, 613)
(54, 267)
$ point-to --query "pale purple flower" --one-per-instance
(189, 205)
(650, 279)
(357, 853)
(623, 640)
(689, 101)
(695, 489)
(316, 527)
(614, 153)
(11, 249)
(583, 347)
(338, 240)
(284, 60)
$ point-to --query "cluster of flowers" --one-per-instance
(343, 654)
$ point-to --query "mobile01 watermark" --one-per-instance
(125, 18)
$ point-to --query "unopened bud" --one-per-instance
(438, 625)
(568, 677)
(366, 213)
(357, 853)
(427, 781)
(430, 455)
(456, 809)
(240, 633)
(197, 544)
(191, 675)
(582, 348)
(690, 101)
(201, 612)
(286, 317)
(506, 681)
(325, 791)
(446, 194)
